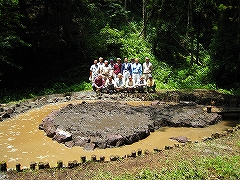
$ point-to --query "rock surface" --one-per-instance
(105, 124)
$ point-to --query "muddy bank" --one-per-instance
(202, 97)
(106, 124)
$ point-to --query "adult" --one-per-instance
(136, 70)
(119, 83)
(117, 68)
(141, 84)
(126, 69)
(130, 85)
(132, 61)
(100, 62)
(109, 85)
(105, 70)
(111, 65)
(93, 71)
(147, 68)
(151, 85)
(99, 83)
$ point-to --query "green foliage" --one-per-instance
(10, 34)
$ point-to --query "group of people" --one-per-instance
(111, 76)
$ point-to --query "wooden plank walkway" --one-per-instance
(222, 109)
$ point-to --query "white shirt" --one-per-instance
(147, 67)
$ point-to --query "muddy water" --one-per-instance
(22, 142)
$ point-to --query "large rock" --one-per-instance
(115, 140)
(181, 139)
(50, 130)
(89, 146)
(80, 141)
(62, 136)
(112, 124)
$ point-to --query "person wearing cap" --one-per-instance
(105, 70)
(119, 83)
(93, 71)
(117, 68)
(99, 83)
(126, 69)
(151, 86)
(100, 62)
(136, 70)
(130, 85)
(111, 65)
(110, 85)
(141, 84)
(147, 68)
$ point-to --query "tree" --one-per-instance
(11, 29)
(225, 47)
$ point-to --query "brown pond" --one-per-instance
(22, 142)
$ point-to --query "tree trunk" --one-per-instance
(191, 30)
(238, 21)
(28, 25)
(144, 18)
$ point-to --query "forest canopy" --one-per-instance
(51, 44)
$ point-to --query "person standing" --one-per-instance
(136, 70)
(147, 68)
(105, 70)
(117, 68)
(93, 71)
(100, 62)
(126, 69)
(111, 65)
(132, 61)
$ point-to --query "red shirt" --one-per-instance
(117, 68)
(99, 82)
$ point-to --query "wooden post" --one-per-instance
(102, 158)
(93, 158)
(113, 158)
(59, 164)
(146, 151)
(18, 167)
(40, 165)
(157, 150)
(134, 154)
(3, 166)
(83, 159)
(209, 109)
(70, 165)
(32, 165)
(46, 165)
(139, 152)
(75, 163)
(166, 147)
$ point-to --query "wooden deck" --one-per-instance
(215, 109)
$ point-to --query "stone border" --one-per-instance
(134, 154)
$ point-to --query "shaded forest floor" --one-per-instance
(212, 159)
